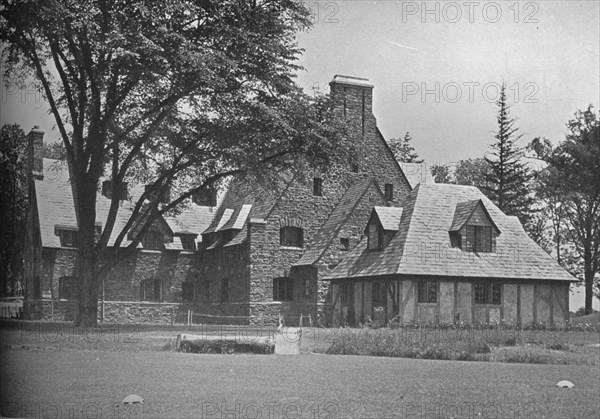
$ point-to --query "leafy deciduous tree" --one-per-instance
(13, 205)
(183, 93)
(571, 186)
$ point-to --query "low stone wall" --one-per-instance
(139, 312)
(117, 311)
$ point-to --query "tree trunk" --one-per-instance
(87, 260)
(588, 274)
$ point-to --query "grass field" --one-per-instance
(57, 371)
(79, 383)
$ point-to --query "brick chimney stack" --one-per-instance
(354, 97)
(35, 145)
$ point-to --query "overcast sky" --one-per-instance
(457, 53)
(549, 59)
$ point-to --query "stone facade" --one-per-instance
(261, 259)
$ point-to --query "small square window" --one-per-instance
(69, 238)
(318, 186)
(291, 237)
(389, 192)
(344, 243)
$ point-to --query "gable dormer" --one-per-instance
(382, 226)
(473, 229)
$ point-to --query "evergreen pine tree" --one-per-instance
(403, 150)
(508, 180)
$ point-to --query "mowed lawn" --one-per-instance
(80, 383)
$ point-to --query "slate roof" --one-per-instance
(335, 221)
(389, 217)
(422, 245)
(55, 207)
(237, 208)
(463, 212)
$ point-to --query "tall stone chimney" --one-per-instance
(354, 99)
(35, 145)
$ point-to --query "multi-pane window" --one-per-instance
(427, 292)
(151, 290)
(374, 237)
(291, 237)
(389, 192)
(479, 238)
(67, 287)
(187, 290)
(68, 238)
(153, 240)
(224, 290)
(318, 186)
(282, 289)
(379, 293)
(488, 293)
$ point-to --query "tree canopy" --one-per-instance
(403, 150)
(570, 184)
(13, 206)
(180, 94)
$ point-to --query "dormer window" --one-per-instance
(68, 237)
(374, 237)
(473, 229)
(188, 241)
(479, 238)
(153, 240)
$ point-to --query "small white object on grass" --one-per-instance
(565, 384)
(133, 399)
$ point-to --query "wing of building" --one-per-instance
(345, 245)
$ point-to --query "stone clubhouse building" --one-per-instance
(349, 245)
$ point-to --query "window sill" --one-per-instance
(427, 304)
(488, 305)
(290, 248)
(150, 251)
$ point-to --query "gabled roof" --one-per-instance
(422, 245)
(463, 212)
(240, 238)
(55, 208)
(389, 217)
(335, 221)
